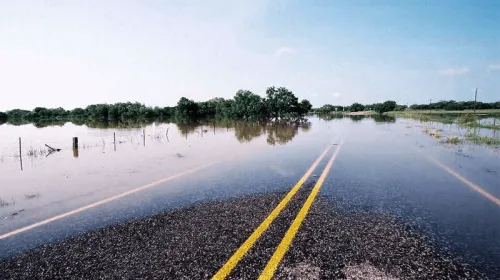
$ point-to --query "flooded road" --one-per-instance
(448, 193)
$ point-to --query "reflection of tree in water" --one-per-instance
(93, 123)
(246, 132)
(328, 117)
(357, 118)
(280, 134)
(187, 128)
(127, 123)
(17, 122)
(305, 127)
(383, 118)
(45, 123)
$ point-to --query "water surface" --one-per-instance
(385, 166)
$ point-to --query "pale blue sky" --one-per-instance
(75, 53)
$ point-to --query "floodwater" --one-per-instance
(390, 166)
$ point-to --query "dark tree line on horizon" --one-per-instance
(388, 106)
(279, 105)
(453, 105)
(358, 107)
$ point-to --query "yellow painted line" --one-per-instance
(467, 182)
(248, 244)
(101, 202)
(278, 255)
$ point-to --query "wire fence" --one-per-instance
(16, 147)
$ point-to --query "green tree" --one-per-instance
(356, 107)
(186, 108)
(326, 109)
(401, 108)
(207, 108)
(281, 103)
(389, 105)
(224, 108)
(377, 107)
(97, 111)
(3, 116)
(77, 112)
(304, 107)
(39, 112)
(247, 106)
(19, 114)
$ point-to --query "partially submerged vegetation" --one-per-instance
(422, 116)
(478, 124)
(466, 120)
(436, 134)
(453, 140)
(33, 153)
(478, 139)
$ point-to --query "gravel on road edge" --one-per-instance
(194, 242)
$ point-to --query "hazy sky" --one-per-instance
(75, 53)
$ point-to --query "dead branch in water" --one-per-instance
(52, 149)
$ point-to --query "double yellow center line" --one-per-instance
(273, 263)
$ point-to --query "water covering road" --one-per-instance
(384, 196)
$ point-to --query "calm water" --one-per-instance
(385, 166)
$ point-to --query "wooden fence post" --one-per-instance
(20, 154)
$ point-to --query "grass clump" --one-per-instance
(482, 125)
(33, 153)
(478, 139)
(467, 118)
(489, 126)
(453, 140)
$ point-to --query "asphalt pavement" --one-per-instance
(194, 242)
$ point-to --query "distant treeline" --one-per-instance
(388, 106)
(357, 107)
(453, 105)
(280, 104)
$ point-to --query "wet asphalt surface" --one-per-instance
(194, 242)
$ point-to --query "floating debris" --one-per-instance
(17, 213)
(4, 203)
(32, 196)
